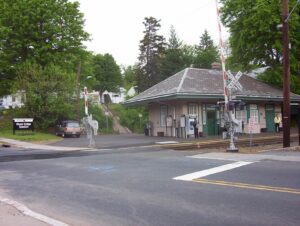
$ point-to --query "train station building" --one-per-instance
(192, 94)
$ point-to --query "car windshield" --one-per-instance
(72, 124)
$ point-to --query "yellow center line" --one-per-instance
(249, 186)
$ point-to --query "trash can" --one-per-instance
(160, 134)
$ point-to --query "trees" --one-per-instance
(159, 60)
(129, 77)
(107, 73)
(49, 93)
(174, 58)
(41, 31)
(152, 46)
(207, 52)
(256, 40)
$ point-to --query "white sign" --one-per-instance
(23, 119)
(169, 121)
(182, 121)
(234, 83)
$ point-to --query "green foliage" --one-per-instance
(105, 122)
(107, 73)
(256, 40)
(6, 119)
(207, 52)
(7, 131)
(174, 58)
(49, 93)
(129, 77)
(43, 31)
(85, 70)
(171, 59)
(129, 117)
(152, 47)
(29, 136)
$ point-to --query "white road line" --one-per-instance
(204, 173)
(207, 157)
(26, 211)
(167, 142)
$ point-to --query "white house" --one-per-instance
(12, 101)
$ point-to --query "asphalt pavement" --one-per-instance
(130, 181)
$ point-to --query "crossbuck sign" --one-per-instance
(234, 80)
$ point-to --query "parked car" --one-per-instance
(68, 128)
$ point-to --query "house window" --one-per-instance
(254, 113)
(192, 109)
(163, 114)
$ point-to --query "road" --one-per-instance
(136, 186)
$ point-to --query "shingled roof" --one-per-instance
(200, 84)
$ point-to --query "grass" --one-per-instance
(29, 136)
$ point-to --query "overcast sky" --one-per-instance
(116, 26)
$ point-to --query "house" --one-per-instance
(12, 101)
(118, 97)
(193, 93)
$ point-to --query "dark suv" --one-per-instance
(68, 128)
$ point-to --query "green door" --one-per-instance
(211, 123)
(270, 114)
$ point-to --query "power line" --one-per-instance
(288, 17)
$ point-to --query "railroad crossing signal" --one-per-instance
(234, 80)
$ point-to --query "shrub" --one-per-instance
(129, 117)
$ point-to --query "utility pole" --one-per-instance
(286, 75)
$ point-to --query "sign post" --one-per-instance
(140, 116)
(251, 126)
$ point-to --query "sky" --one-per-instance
(116, 26)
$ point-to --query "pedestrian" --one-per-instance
(277, 121)
(243, 127)
(195, 125)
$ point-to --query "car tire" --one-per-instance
(78, 136)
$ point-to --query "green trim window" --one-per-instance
(163, 114)
(254, 113)
(204, 115)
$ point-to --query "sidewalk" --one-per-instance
(10, 216)
(27, 145)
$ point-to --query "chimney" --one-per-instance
(216, 66)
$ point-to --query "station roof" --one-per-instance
(204, 84)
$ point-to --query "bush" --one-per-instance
(129, 117)
(105, 122)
